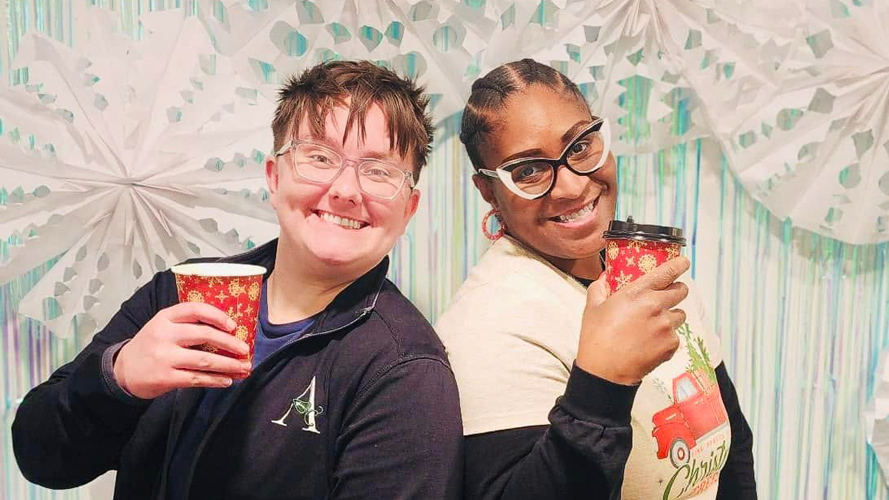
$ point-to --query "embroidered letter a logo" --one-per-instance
(305, 406)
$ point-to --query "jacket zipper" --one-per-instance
(240, 389)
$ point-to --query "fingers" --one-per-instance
(198, 312)
(670, 349)
(672, 295)
(662, 276)
(677, 318)
(186, 378)
(197, 334)
(598, 291)
(196, 360)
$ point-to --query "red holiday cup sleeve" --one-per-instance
(628, 259)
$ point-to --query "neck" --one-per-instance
(587, 268)
(293, 295)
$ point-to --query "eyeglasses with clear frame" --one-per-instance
(320, 164)
(533, 178)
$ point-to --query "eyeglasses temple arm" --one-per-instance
(489, 173)
(284, 149)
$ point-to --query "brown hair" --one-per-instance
(317, 90)
(490, 92)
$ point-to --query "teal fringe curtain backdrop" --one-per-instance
(802, 318)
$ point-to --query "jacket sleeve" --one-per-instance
(402, 439)
(71, 428)
(736, 480)
(580, 455)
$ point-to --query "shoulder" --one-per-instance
(395, 330)
(511, 338)
(502, 299)
(393, 347)
(510, 293)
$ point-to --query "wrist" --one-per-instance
(111, 374)
(605, 369)
(117, 369)
(592, 398)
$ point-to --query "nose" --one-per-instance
(344, 187)
(568, 184)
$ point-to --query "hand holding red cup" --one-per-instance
(217, 314)
(628, 334)
(235, 289)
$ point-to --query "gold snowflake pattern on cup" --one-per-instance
(623, 279)
(235, 315)
(235, 288)
(195, 296)
(612, 250)
(241, 332)
(672, 251)
(647, 262)
(253, 291)
(636, 245)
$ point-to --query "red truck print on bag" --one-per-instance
(697, 410)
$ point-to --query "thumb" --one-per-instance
(598, 290)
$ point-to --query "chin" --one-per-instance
(580, 249)
(342, 260)
(337, 257)
(578, 244)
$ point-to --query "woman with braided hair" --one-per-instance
(567, 392)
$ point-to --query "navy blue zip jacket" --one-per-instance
(367, 396)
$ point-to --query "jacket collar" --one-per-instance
(355, 301)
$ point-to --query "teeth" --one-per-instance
(580, 213)
(340, 221)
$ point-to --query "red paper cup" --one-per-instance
(632, 250)
(233, 288)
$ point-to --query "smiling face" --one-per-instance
(336, 229)
(566, 225)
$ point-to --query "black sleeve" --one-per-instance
(736, 481)
(71, 428)
(403, 437)
(580, 455)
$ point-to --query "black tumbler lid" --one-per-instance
(629, 230)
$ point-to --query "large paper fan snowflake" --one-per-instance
(818, 150)
(123, 158)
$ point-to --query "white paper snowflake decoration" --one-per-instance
(423, 40)
(123, 158)
(818, 150)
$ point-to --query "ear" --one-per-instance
(413, 202)
(486, 189)
(271, 178)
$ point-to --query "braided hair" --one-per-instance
(490, 92)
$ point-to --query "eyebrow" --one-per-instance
(538, 153)
(374, 155)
